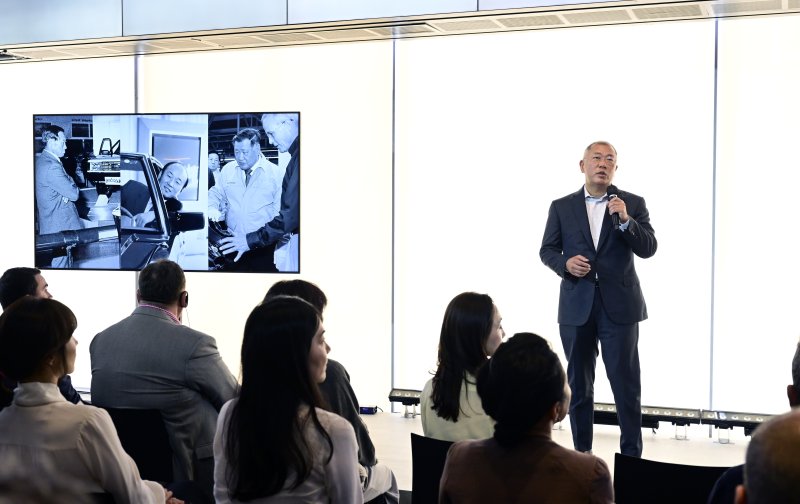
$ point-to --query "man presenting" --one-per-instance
(589, 240)
(247, 196)
(149, 360)
(283, 131)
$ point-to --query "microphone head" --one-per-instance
(612, 190)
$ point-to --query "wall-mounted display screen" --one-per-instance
(212, 192)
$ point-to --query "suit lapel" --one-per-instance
(581, 217)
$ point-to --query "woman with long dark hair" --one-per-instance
(273, 442)
(524, 389)
(471, 332)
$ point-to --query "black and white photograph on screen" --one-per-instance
(73, 215)
(119, 191)
(212, 192)
(253, 199)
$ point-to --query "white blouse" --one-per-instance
(472, 423)
(336, 482)
(45, 430)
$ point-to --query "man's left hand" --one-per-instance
(617, 206)
(236, 243)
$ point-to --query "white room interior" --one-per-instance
(428, 167)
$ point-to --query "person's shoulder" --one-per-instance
(334, 424)
(199, 338)
(428, 387)
(230, 165)
(472, 447)
(569, 197)
(336, 371)
(586, 461)
(109, 332)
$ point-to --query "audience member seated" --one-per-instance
(149, 360)
(524, 389)
(771, 466)
(273, 442)
(450, 407)
(41, 427)
(725, 488)
(14, 284)
(340, 397)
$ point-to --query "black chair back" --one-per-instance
(427, 464)
(638, 480)
(144, 437)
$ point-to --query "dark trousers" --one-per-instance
(619, 344)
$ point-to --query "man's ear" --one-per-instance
(138, 296)
(581, 165)
(793, 395)
(741, 495)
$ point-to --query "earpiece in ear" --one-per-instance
(184, 299)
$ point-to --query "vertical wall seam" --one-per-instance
(394, 122)
(713, 217)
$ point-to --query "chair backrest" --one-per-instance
(144, 437)
(427, 463)
(639, 480)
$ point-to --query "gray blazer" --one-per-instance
(148, 361)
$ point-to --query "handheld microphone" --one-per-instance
(612, 193)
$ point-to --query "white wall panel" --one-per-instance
(97, 298)
(756, 325)
(490, 130)
(343, 93)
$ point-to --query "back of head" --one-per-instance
(465, 329)
(772, 467)
(264, 437)
(161, 282)
(276, 343)
(31, 331)
(520, 385)
(17, 282)
(304, 290)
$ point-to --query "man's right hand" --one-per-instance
(578, 266)
(214, 215)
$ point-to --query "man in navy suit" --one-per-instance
(600, 300)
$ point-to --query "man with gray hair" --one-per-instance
(283, 131)
(247, 195)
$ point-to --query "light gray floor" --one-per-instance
(391, 434)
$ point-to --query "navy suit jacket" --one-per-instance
(567, 234)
